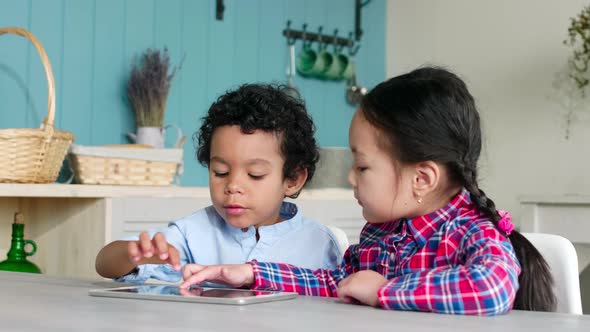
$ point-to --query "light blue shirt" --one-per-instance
(205, 238)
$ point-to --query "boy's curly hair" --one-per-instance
(269, 108)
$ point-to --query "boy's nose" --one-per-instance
(233, 187)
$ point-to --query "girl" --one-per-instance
(434, 241)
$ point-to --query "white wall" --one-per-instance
(508, 52)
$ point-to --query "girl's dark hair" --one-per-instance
(429, 114)
(269, 108)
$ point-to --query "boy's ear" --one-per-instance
(293, 185)
(426, 178)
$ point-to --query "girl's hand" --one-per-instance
(361, 287)
(235, 275)
(156, 251)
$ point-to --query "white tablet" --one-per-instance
(193, 294)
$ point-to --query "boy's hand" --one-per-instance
(235, 275)
(157, 250)
(361, 287)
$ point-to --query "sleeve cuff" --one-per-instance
(136, 276)
(144, 272)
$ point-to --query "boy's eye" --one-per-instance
(361, 169)
(256, 177)
(219, 174)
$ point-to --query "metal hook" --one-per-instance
(352, 49)
(304, 35)
(337, 49)
(290, 39)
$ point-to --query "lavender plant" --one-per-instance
(148, 87)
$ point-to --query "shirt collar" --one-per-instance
(423, 227)
(288, 211)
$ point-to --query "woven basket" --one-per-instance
(29, 155)
(125, 166)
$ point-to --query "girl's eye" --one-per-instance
(220, 174)
(361, 169)
(256, 177)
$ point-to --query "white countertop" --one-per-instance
(44, 303)
(98, 191)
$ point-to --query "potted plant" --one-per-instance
(571, 84)
(147, 89)
(579, 40)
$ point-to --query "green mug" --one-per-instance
(306, 60)
(322, 63)
(349, 70)
(339, 65)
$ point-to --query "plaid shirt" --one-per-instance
(453, 260)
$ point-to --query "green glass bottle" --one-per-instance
(17, 256)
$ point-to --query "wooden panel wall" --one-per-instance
(91, 44)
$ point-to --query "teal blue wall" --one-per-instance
(91, 44)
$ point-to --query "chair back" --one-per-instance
(340, 237)
(561, 256)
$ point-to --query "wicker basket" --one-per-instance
(125, 166)
(34, 155)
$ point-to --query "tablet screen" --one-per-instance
(193, 291)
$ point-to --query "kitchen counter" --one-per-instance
(71, 223)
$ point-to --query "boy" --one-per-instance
(258, 145)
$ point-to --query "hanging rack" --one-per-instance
(353, 44)
(293, 35)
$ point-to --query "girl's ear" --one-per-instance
(293, 185)
(426, 179)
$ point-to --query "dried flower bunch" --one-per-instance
(148, 87)
(579, 40)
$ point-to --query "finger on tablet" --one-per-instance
(205, 274)
(190, 269)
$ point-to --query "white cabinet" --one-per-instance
(71, 223)
(568, 216)
(133, 215)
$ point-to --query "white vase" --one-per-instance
(153, 136)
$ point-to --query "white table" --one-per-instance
(42, 303)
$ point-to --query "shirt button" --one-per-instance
(244, 230)
(392, 256)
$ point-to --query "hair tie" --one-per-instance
(505, 223)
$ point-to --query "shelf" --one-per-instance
(554, 199)
(99, 191)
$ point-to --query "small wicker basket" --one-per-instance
(125, 165)
(29, 155)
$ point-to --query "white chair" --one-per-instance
(341, 237)
(561, 256)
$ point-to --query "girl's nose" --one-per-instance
(351, 177)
